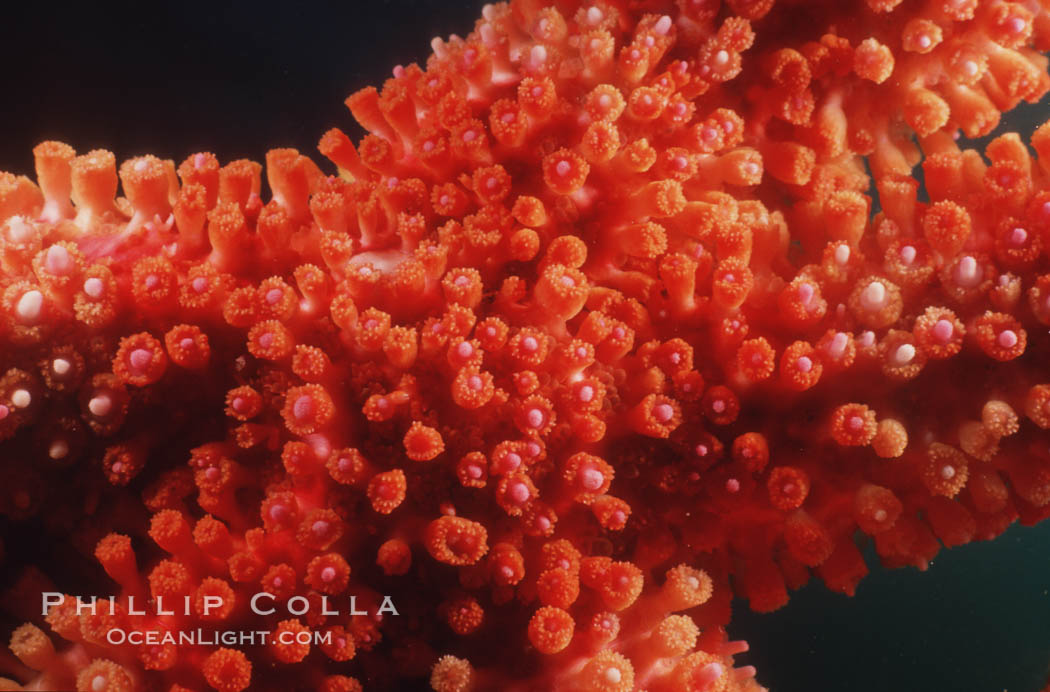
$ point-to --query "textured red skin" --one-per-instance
(625, 239)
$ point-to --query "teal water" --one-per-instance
(978, 620)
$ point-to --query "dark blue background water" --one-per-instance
(237, 80)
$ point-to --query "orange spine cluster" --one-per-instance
(594, 328)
